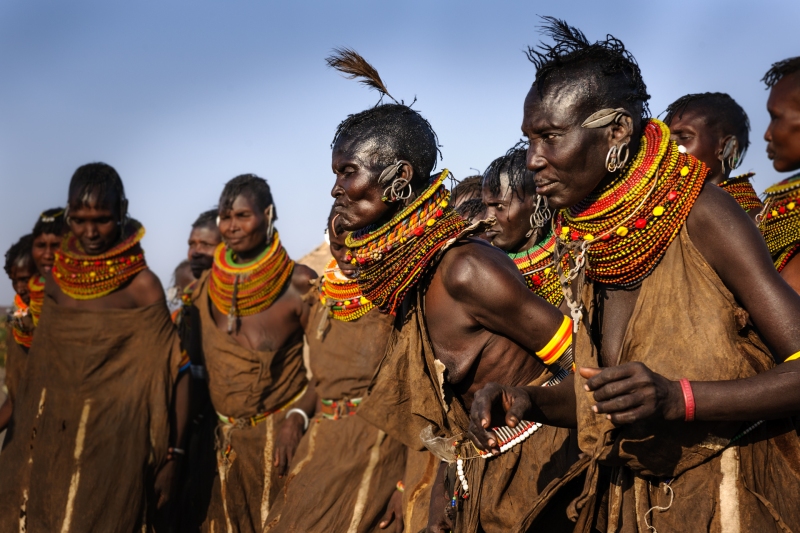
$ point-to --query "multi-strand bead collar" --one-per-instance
(625, 227)
(779, 222)
(394, 257)
(743, 192)
(21, 328)
(248, 288)
(537, 267)
(85, 277)
(342, 295)
(36, 293)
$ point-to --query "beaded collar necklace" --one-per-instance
(394, 257)
(622, 230)
(779, 221)
(342, 295)
(742, 191)
(36, 292)
(22, 331)
(85, 277)
(248, 288)
(537, 267)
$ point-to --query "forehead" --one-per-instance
(504, 189)
(355, 149)
(91, 207)
(243, 202)
(559, 106)
(786, 93)
(693, 116)
(205, 232)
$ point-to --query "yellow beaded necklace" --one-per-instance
(779, 222)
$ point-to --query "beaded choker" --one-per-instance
(248, 288)
(342, 295)
(85, 277)
(20, 327)
(537, 267)
(625, 227)
(394, 257)
(36, 292)
(779, 222)
(743, 192)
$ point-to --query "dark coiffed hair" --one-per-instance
(397, 131)
(604, 72)
(469, 209)
(250, 185)
(207, 219)
(19, 254)
(51, 222)
(97, 182)
(781, 69)
(466, 189)
(513, 163)
(721, 112)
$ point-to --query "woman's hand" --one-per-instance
(632, 392)
(166, 482)
(289, 435)
(394, 513)
(496, 405)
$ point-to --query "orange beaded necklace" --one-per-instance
(342, 295)
(21, 328)
(625, 227)
(742, 191)
(36, 292)
(85, 277)
(244, 289)
(537, 266)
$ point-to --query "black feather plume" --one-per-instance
(353, 66)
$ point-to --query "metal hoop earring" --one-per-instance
(621, 161)
(541, 213)
(611, 159)
(533, 227)
(400, 189)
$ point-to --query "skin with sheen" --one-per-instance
(783, 144)
(480, 335)
(692, 130)
(569, 160)
(512, 211)
(43, 251)
(202, 243)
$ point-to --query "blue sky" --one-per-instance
(182, 96)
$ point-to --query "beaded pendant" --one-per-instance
(742, 191)
(342, 295)
(85, 277)
(626, 226)
(249, 288)
(394, 257)
(779, 221)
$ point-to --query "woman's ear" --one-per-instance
(621, 130)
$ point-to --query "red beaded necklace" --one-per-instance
(249, 288)
(538, 268)
(342, 295)
(779, 222)
(86, 277)
(394, 257)
(625, 227)
(742, 191)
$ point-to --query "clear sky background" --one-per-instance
(181, 96)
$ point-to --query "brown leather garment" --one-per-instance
(244, 383)
(91, 421)
(686, 324)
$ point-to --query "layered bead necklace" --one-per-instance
(742, 191)
(394, 257)
(22, 331)
(538, 268)
(779, 221)
(248, 288)
(342, 295)
(625, 227)
(36, 292)
(85, 277)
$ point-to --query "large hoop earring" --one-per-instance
(611, 159)
(623, 160)
(400, 189)
(270, 228)
(730, 154)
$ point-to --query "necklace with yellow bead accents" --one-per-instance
(342, 295)
(621, 231)
(537, 266)
(85, 277)
(779, 221)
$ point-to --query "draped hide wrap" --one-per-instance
(91, 421)
(685, 324)
(16, 367)
(522, 484)
(345, 470)
(243, 383)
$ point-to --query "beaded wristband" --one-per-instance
(562, 340)
(688, 398)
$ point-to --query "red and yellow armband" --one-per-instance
(559, 345)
